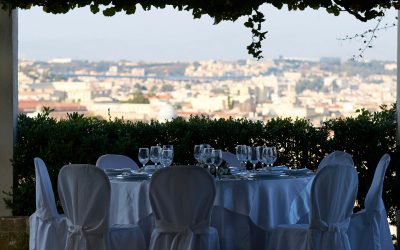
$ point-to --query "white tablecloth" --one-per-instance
(243, 209)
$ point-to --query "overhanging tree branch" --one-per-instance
(368, 36)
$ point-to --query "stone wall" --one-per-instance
(14, 233)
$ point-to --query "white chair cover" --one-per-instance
(85, 196)
(336, 157)
(369, 228)
(181, 198)
(333, 194)
(303, 201)
(231, 159)
(116, 161)
(47, 228)
(126, 237)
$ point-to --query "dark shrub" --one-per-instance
(81, 139)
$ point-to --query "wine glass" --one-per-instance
(197, 152)
(241, 154)
(265, 156)
(254, 156)
(167, 156)
(238, 152)
(270, 155)
(155, 154)
(207, 157)
(261, 159)
(216, 155)
(143, 156)
(274, 155)
(170, 147)
(203, 146)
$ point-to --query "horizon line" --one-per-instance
(312, 59)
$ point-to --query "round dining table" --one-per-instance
(244, 209)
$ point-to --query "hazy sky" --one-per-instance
(169, 35)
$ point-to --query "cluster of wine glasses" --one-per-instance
(266, 155)
(157, 154)
(206, 155)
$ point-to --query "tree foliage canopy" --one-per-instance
(219, 10)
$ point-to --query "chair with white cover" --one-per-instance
(333, 194)
(85, 196)
(336, 157)
(302, 202)
(182, 198)
(231, 159)
(369, 228)
(47, 228)
(116, 161)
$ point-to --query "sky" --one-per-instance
(170, 35)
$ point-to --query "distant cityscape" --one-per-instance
(256, 90)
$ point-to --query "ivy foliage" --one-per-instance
(80, 139)
(219, 10)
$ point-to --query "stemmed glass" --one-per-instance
(265, 156)
(207, 157)
(155, 154)
(143, 156)
(170, 147)
(273, 155)
(216, 155)
(167, 156)
(261, 159)
(197, 152)
(203, 146)
(241, 154)
(254, 156)
(269, 155)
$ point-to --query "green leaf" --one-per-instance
(249, 24)
(145, 6)
(109, 11)
(197, 14)
(94, 8)
(333, 10)
(130, 9)
(217, 20)
(259, 15)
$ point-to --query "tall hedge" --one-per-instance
(80, 139)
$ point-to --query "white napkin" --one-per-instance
(278, 168)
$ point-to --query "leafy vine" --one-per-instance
(254, 22)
